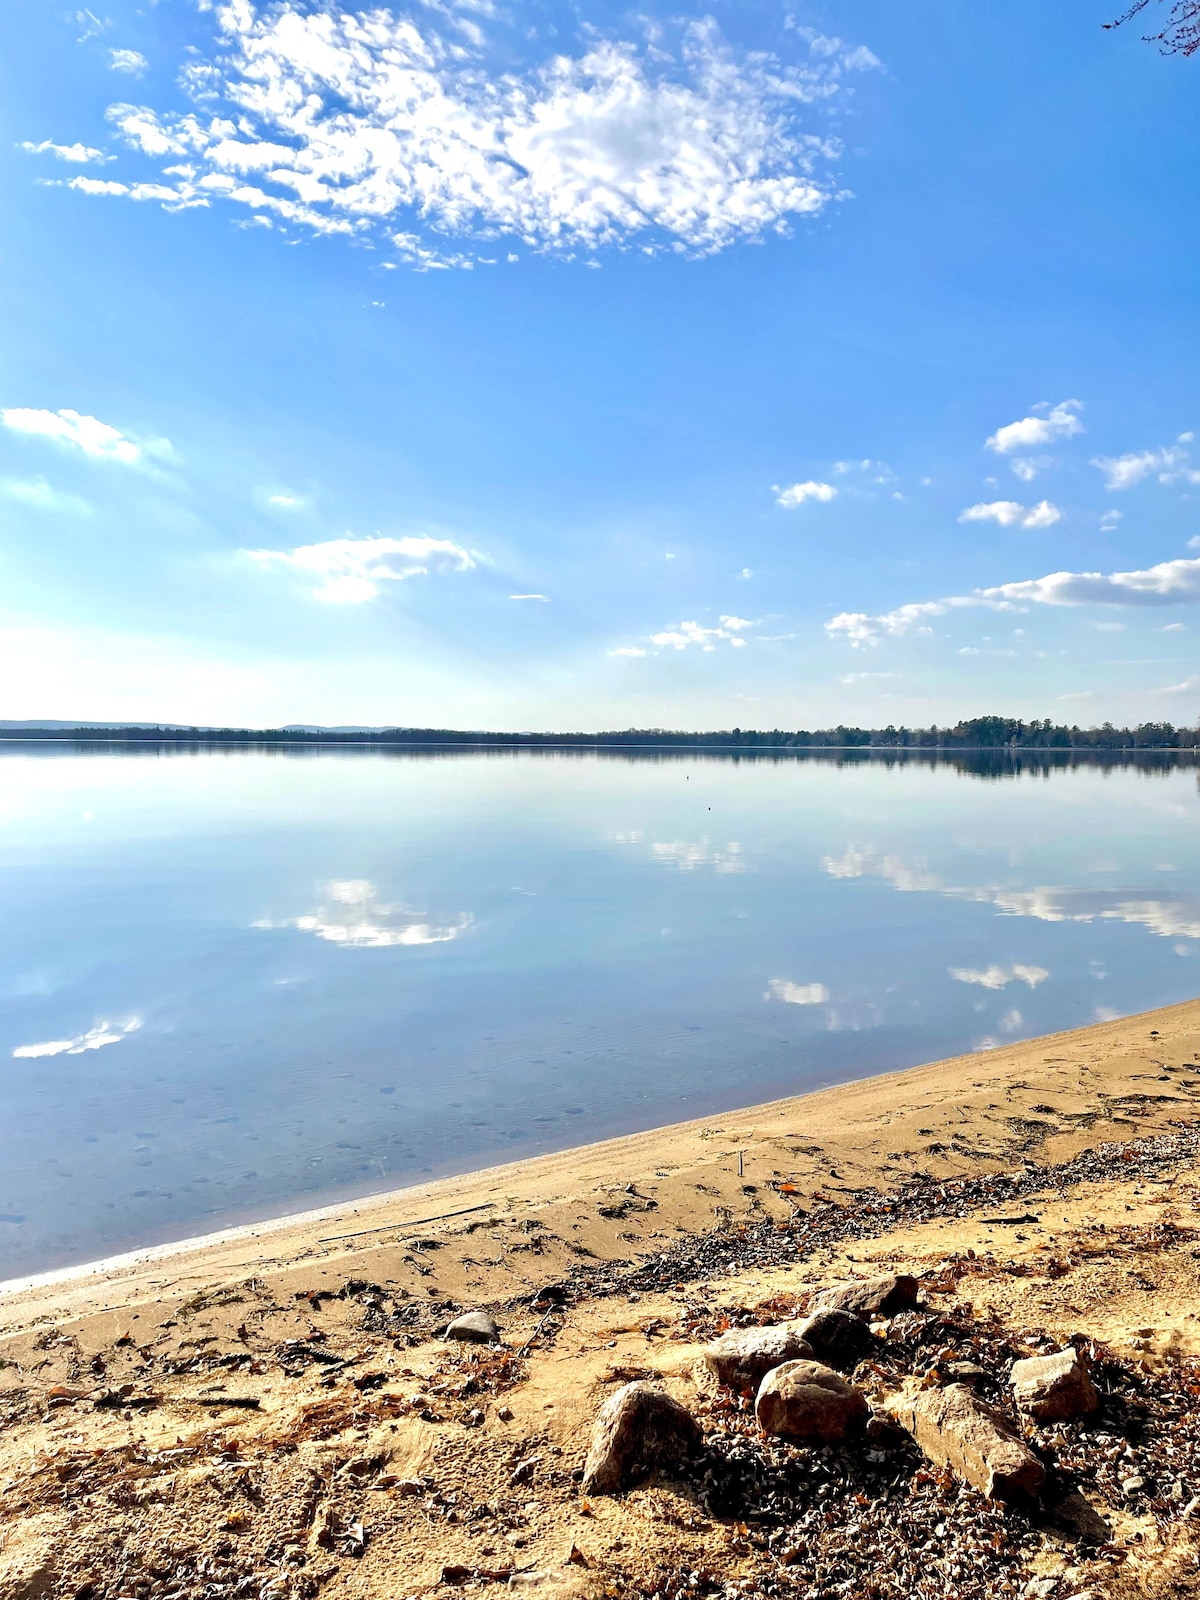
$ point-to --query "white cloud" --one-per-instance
(1173, 627)
(1188, 686)
(1054, 422)
(36, 492)
(351, 570)
(797, 994)
(79, 154)
(1168, 583)
(131, 61)
(94, 1039)
(1042, 515)
(996, 977)
(1109, 520)
(628, 650)
(371, 122)
(1028, 467)
(353, 917)
(688, 633)
(1005, 512)
(545, 597)
(798, 493)
(1168, 465)
(861, 677)
(79, 432)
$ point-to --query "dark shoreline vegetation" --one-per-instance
(991, 734)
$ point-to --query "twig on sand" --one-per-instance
(416, 1222)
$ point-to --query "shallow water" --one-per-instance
(238, 983)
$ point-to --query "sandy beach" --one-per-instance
(274, 1411)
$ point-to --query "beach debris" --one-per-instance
(475, 1327)
(836, 1337)
(638, 1431)
(956, 1429)
(809, 1401)
(1054, 1388)
(881, 1296)
(742, 1357)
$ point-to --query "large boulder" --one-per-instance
(881, 1296)
(806, 1400)
(743, 1356)
(638, 1431)
(838, 1338)
(956, 1429)
(1054, 1388)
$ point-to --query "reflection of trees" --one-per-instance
(999, 762)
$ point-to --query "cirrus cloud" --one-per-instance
(369, 121)
(351, 570)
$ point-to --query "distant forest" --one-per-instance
(977, 733)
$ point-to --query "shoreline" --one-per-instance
(537, 1175)
(277, 1410)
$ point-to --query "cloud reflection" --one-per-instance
(1168, 916)
(352, 915)
(688, 855)
(94, 1039)
(797, 994)
(995, 977)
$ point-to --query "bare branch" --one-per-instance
(1180, 36)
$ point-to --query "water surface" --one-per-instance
(235, 983)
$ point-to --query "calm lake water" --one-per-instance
(238, 983)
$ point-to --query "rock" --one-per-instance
(1054, 1388)
(476, 1327)
(968, 1372)
(955, 1428)
(638, 1431)
(838, 1338)
(743, 1356)
(883, 1296)
(806, 1400)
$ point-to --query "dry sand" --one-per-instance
(273, 1413)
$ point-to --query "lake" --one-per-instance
(235, 983)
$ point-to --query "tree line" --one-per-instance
(975, 733)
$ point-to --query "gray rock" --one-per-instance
(638, 1431)
(838, 1338)
(956, 1429)
(743, 1356)
(882, 1296)
(806, 1400)
(1054, 1388)
(476, 1327)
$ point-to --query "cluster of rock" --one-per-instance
(802, 1396)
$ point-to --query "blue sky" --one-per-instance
(573, 366)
